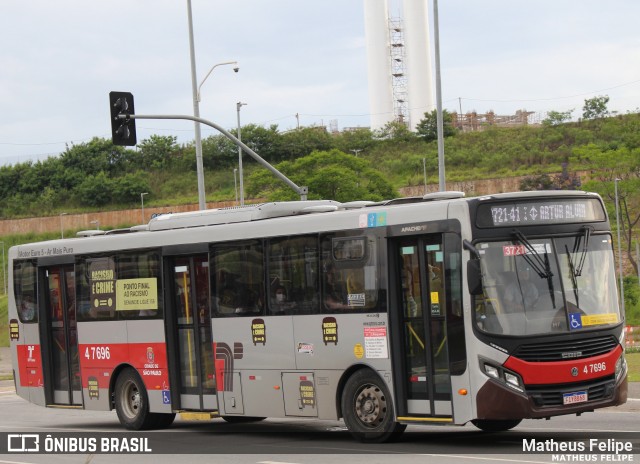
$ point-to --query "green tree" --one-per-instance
(265, 141)
(622, 164)
(632, 300)
(427, 128)
(555, 118)
(562, 181)
(396, 131)
(361, 140)
(127, 189)
(596, 107)
(330, 175)
(302, 142)
(541, 182)
(157, 152)
(217, 151)
(96, 156)
(95, 190)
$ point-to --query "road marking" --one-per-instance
(548, 429)
(478, 458)
(15, 462)
(275, 462)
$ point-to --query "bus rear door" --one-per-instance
(190, 346)
(421, 361)
(60, 336)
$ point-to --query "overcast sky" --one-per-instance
(59, 60)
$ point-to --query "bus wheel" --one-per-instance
(132, 402)
(242, 419)
(160, 420)
(367, 408)
(495, 425)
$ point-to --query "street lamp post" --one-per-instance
(235, 183)
(439, 122)
(424, 169)
(238, 106)
(355, 152)
(615, 182)
(62, 228)
(142, 203)
(196, 108)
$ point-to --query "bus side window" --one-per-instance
(350, 278)
(293, 271)
(137, 266)
(25, 290)
(238, 279)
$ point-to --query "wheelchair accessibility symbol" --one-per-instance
(575, 321)
(166, 397)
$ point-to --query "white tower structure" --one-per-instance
(399, 63)
(378, 60)
(418, 57)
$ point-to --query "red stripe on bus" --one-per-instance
(98, 361)
(572, 370)
(30, 365)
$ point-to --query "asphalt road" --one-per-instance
(287, 441)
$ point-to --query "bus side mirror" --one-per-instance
(474, 277)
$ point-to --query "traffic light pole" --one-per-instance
(302, 191)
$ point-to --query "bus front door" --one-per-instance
(422, 375)
(191, 356)
(63, 384)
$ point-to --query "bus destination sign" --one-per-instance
(556, 211)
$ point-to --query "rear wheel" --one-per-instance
(495, 425)
(367, 408)
(132, 404)
(160, 420)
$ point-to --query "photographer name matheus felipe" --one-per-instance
(592, 450)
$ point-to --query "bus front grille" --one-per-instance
(565, 350)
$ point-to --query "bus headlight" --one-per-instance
(512, 379)
(502, 375)
(491, 371)
(621, 366)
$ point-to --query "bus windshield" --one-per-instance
(539, 286)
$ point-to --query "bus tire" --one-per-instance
(132, 401)
(242, 419)
(159, 420)
(495, 425)
(367, 408)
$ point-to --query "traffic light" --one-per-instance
(123, 131)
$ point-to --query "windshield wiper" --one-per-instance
(583, 253)
(574, 272)
(540, 266)
(576, 269)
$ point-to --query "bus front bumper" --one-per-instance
(496, 401)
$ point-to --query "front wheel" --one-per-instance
(367, 408)
(132, 402)
(495, 425)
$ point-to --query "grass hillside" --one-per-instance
(96, 176)
(4, 321)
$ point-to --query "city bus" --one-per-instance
(439, 310)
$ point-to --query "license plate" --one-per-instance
(575, 397)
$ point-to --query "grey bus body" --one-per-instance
(382, 327)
